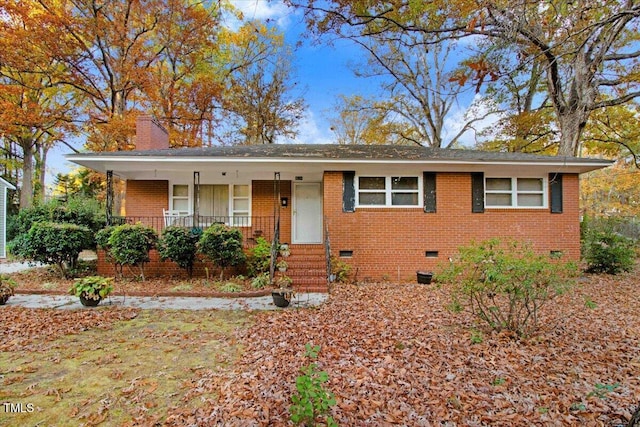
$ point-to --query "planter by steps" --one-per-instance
(282, 297)
(424, 277)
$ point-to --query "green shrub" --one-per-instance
(102, 237)
(223, 246)
(92, 287)
(54, 244)
(604, 249)
(260, 281)
(130, 245)
(80, 211)
(505, 285)
(311, 402)
(179, 244)
(259, 257)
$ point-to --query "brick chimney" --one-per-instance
(150, 135)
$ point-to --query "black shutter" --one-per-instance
(477, 192)
(429, 187)
(555, 188)
(348, 192)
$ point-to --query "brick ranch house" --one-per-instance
(387, 211)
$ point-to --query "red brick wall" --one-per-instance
(262, 195)
(391, 243)
(146, 198)
(150, 135)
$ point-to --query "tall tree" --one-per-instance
(261, 99)
(35, 112)
(419, 87)
(356, 120)
(588, 50)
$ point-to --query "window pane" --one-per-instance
(180, 191)
(498, 199)
(241, 190)
(404, 199)
(372, 198)
(530, 200)
(180, 204)
(529, 184)
(498, 184)
(372, 183)
(404, 183)
(241, 205)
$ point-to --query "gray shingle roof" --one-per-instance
(345, 152)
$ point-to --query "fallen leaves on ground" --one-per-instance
(396, 356)
(46, 280)
(25, 328)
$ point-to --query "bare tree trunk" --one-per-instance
(571, 126)
(26, 190)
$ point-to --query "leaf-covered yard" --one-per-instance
(394, 355)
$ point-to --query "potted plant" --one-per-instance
(282, 266)
(7, 288)
(284, 292)
(91, 289)
(284, 250)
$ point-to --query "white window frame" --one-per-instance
(172, 198)
(232, 213)
(388, 191)
(233, 198)
(514, 192)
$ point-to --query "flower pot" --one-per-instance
(4, 299)
(424, 277)
(281, 297)
(88, 302)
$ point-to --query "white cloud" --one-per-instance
(456, 120)
(312, 132)
(274, 11)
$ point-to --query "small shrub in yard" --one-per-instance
(130, 245)
(260, 281)
(605, 250)
(312, 401)
(259, 257)
(223, 246)
(179, 244)
(54, 244)
(505, 285)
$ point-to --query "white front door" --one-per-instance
(307, 212)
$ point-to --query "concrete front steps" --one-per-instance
(307, 268)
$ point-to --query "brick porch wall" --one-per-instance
(146, 198)
(262, 196)
(391, 243)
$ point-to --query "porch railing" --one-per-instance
(251, 227)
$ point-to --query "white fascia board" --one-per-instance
(576, 166)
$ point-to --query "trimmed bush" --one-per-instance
(130, 245)
(180, 246)
(223, 246)
(259, 257)
(80, 211)
(505, 284)
(54, 244)
(604, 249)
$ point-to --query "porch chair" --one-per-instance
(177, 217)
